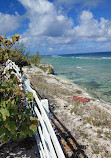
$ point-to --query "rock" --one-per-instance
(49, 69)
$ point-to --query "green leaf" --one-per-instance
(12, 126)
(12, 102)
(14, 136)
(4, 113)
(34, 120)
(30, 96)
(8, 104)
(30, 133)
(3, 104)
(5, 84)
(2, 130)
(5, 137)
(19, 116)
(13, 39)
(9, 42)
(22, 134)
(11, 82)
(33, 128)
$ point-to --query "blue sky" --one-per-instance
(58, 26)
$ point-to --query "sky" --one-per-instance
(58, 26)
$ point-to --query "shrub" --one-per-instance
(16, 120)
(35, 59)
(16, 54)
(5, 47)
(19, 55)
(18, 58)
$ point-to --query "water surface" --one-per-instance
(90, 71)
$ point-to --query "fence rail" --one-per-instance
(48, 144)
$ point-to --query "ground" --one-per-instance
(83, 128)
(23, 148)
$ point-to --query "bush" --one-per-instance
(5, 47)
(16, 120)
(18, 58)
(35, 59)
(16, 54)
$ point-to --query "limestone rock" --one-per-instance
(49, 69)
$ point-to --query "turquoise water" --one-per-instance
(90, 71)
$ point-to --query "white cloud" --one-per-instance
(82, 3)
(44, 19)
(9, 23)
(88, 29)
(51, 28)
(91, 29)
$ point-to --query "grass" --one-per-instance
(107, 134)
(47, 69)
(99, 118)
(100, 150)
(94, 115)
(76, 108)
(99, 132)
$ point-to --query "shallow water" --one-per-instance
(90, 71)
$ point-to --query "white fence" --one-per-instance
(48, 144)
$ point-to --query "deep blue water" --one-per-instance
(90, 71)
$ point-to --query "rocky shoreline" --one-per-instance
(84, 128)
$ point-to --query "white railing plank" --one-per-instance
(42, 151)
(49, 144)
(43, 141)
(56, 143)
(52, 152)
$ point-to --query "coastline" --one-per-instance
(85, 89)
(89, 123)
(90, 71)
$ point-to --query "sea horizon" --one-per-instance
(70, 54)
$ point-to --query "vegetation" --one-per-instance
(5, 47)
(19, 58)
(15, 54)
(35, 59)
(18, 54)
(15, 119)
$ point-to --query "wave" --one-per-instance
(91, 58)
(106, 57)
(78, 67)
(58, 56)
(55, 56)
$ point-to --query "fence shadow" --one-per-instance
(24, 148)
(69, 145)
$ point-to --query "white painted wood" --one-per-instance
(45, 104)
(42, 151)
(49, 143)
(47, 134)
(56, 143)
(44, 143)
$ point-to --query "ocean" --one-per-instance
(91, 72)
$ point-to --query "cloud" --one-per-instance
(45, 20)
(46, 23)
(81, 3)
(91, 29)
(9, 23)
(88, 29)
(51, 30)
(49, 27)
